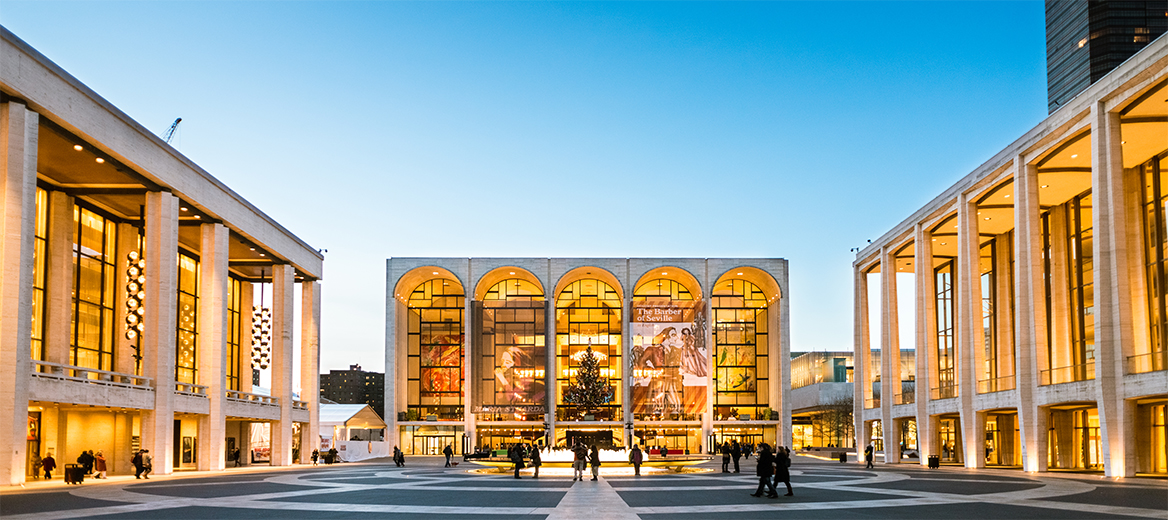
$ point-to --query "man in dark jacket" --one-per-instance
(736, 453)
(449, 453)
(516, 455)
(782, 471)
(765, 469)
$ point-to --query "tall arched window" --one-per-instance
(670, 360)
(741, 375)
(588, 314)
(435, 356)
(511, 354)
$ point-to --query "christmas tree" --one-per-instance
(590, 390)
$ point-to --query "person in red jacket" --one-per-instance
(49, 464)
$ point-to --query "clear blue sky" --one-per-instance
(793, 130)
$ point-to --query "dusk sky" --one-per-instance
(378, 129)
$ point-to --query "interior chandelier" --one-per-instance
(261, 332)
(135, 292)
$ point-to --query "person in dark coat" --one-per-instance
(765, 470)
(869, 454)
(49, 464)
(636, 457)
(782, 469)
(332, 456)
(725, 457)
(736, 453)
(449, 453)
(594, 461)
(237, 456)
(516, 456)
(399, 458)
(536, 462)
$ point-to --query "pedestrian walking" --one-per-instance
(783, 469)
(36, 466)
(594, 461)
(138, 466)
(765, 470)
(99, 465)
(735, 453)
(450, 453)
(49, 464)
(332, 456)
(536, 461)
(580, 458)
(869, 454)
(636, 457)
(516, 455)
(236, 455)
(665, 451)
(147, 464)
(85, 460)
(399, 458)
(725, 457)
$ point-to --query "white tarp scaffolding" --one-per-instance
(340, 423)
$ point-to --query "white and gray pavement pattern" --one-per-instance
(426, 490)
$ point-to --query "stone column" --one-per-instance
(784, 333)
(969, 327)
(246, 313)
(1029, 312)
(212, 344)
(627, 369)
(59, 273)
(392, 309)
(890, 385)
(926, 333)
(1112, 272)
(310, 367)
(860, 359)
(124, 361)
(471, 343)
(161, 320)
(283, 307)
(18, 164)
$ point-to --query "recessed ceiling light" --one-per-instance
(987, 218)
(78, 147)
(253, 249)
(739, 274)
(1045, 186)
(663, 273)
(942, 243)
(261, 254)
(198, 216)
(1123, 142)
(512, 272)
(1074, 156)
(183, 208)
(435, 272)
(1007, 195)
(100, 160)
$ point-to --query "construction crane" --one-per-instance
(170, 131)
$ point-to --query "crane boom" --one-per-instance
(170, 131)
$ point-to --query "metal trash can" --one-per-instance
(74, 474)
(934, 462)
(843, 457)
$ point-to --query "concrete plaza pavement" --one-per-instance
(425, 489)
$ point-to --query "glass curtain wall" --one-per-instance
(511, 354)
(1155, 204)
(233, 333)
(668, 350)
(435, 351)
(1081, 250)
(186, 367)
(740, 343)
(94, 240)
(588, 314)
(39, 257)
(946, 331)
(989, 377)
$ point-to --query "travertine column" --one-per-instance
(970, 335)
(212, 344)
(59, 272)
(124, 361)
(283, 307)
(1029, 312)
(472, 341)
(860, 359)
(627, 369)
(785, 357)
(926, 334)
(889, 355)
(1112, 272)
(310, 367)
(18, 163)
(161, 319)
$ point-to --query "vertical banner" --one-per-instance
(670, 358)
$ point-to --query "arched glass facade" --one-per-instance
(435, 355)
(742, 379)
(670, 363)
(588, 314)
(511, 353)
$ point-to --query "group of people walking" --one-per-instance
(773, 468)
(90, 463)
(517, 452)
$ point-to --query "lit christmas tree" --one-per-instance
(590, 390)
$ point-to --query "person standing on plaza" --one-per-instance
(137, 462)
(536, 462)
(594, 461)
(664, 451)
(783, 469)
(765, 470)
(315, 456)
(35, 464)
(516, 455)
(869, 454)
(49, 464)
(99, 465)
(580, 458)
(147, 464)
(332, 456)
(85, 460)
(736, 453)
(449, 453)
(636, 457)
(725, 457)
(399, 458)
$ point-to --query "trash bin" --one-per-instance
(934, 461)
(843, 457)
(74, 474)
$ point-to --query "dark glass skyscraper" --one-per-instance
(1086, 39)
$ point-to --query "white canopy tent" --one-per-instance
(339, 423)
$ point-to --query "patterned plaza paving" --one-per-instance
(426, 490)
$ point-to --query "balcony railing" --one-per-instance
(299, 405)
(1150, 362)
(997, 384)
(943, 392)
(46, 370)
(190, 389)
(906, 398)
(1067, 374)
(244, 397)
(872, 403)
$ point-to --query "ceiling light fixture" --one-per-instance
(198, 216)
(1007, 195)
(739, 274)
(987, 218)
(183, 208)
(434, 273)
(78, 147)
(253, 249)
(100, 160)
(942, 243)
(1045, 186)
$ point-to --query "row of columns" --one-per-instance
(1116, 270)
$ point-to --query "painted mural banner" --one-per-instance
(510, 358)
(670, 358)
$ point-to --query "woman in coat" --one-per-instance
(594, 461)
(99, 465)
(782, 469)
(765, 469)
(516, 455)
(636, 457)
(536, 462)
